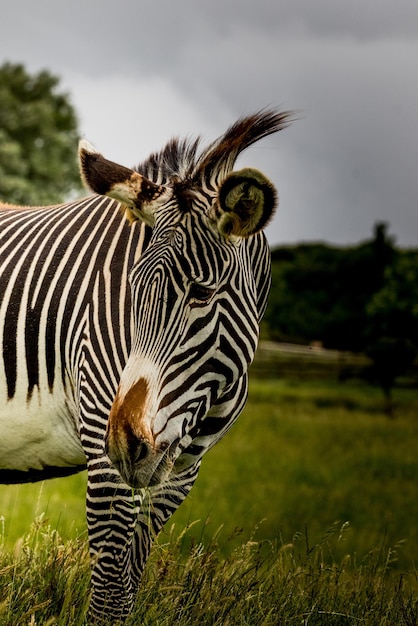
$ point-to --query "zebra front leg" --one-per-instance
(158, 505)
(112, 511)
(122, 527)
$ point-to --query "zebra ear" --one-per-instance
(136, 193)
(246, 202)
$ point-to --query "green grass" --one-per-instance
(45, 582)
(61, 501)
(309, 455)
(303, 458)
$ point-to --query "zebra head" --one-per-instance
(198, 292)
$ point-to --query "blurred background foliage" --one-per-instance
(38, 138)
(360, 299)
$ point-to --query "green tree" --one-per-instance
(392, 323)
(38, 138)
(320, 292)
(394, 308)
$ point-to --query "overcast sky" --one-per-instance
(141, 71)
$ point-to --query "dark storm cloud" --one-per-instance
(140, 71)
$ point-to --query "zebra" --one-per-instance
(129, 319)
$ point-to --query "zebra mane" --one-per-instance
(176, 160)
(182, 160)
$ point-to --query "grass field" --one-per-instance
(46, 582)
(309, 455)
(314, 478)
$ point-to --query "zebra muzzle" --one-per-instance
(133, 452)
(140, 463)
(129, 441)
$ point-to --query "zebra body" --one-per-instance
(48, 302)
(126, 347)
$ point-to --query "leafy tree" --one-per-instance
(320, 292)
(38, 138)
(392, 324)
(394, 308)
(362, 298)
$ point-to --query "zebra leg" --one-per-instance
(112, 511)
(158, 505)
(122, 526)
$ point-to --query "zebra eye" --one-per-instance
(200, 294)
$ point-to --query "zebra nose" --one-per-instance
(136, 451)
(141, 451)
